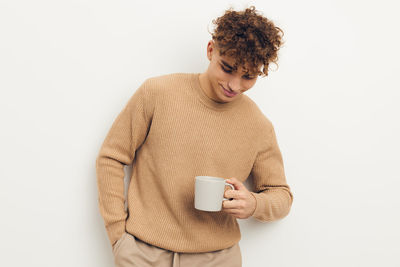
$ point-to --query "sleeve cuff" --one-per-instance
(258, 211)
(115, 231)
(272, 205)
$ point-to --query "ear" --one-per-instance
(210, 49)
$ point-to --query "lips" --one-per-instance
(227, 92)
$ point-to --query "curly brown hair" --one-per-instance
(248, 37)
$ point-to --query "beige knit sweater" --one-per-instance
(171, 131)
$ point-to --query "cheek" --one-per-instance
(220, 78)
(246, 86)
(222, 75)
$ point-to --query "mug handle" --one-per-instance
(233, 188)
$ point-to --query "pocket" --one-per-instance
(118, 243)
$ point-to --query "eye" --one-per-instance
(227, 71)
(248, 77)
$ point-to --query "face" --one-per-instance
(226, 84)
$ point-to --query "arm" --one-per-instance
(127, 133)
(272, 194)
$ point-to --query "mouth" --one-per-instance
(227, 92)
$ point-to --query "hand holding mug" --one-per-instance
(243, 204)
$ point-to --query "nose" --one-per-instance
(234, 85)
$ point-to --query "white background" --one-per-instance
(68, 67)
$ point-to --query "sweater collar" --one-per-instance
(209, 102)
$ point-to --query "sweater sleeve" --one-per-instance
(127, 133)
(272, 193)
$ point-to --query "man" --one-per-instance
(181, 125)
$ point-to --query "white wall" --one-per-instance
(68, 67)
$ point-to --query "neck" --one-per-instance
(206, 86)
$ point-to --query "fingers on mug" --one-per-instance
(233, 188)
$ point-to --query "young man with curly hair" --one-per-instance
(181, 125)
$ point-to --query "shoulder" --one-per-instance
(166, 81)
(264, 130)
(257, 115)
(159, 90)
(169, 77)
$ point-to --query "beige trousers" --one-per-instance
(130, 251)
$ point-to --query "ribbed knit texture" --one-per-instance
(171, 131)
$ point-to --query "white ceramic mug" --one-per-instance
(209, 193)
